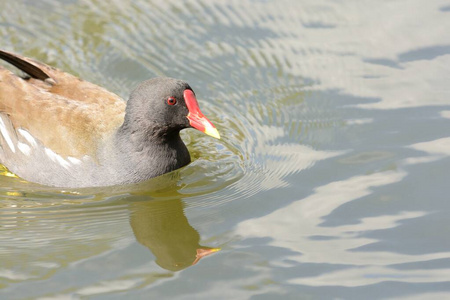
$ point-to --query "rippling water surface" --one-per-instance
(330, 181)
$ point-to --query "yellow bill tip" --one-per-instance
(212, 131)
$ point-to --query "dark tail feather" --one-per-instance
(24, 64)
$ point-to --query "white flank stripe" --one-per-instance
(6, 136)
(24, 148)
(74, 160)
(30, 139)
(56, 158)
(51, 154)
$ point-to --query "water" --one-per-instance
(330, 181)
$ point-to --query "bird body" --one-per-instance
(59, 130)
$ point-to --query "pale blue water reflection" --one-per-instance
(331, 179)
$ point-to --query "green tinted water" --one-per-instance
(330, 180)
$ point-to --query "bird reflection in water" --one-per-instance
(162, 227)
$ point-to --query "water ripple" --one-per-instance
(318, 162)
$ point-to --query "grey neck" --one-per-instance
(143, 154)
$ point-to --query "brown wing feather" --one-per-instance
(68, 115)
(25, 64)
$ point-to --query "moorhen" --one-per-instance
(59, 130)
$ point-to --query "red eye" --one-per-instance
(171, 101)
